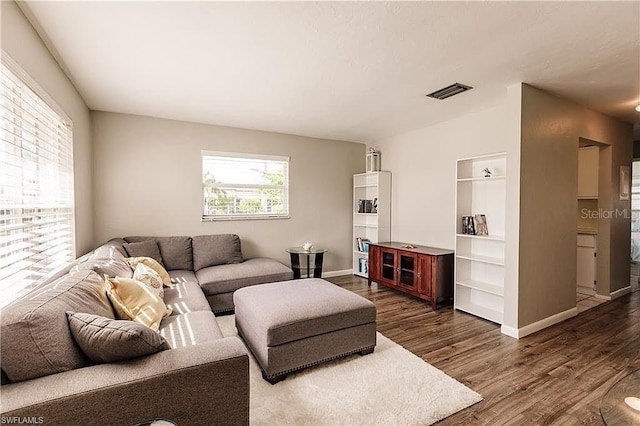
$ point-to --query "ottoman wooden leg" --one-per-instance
(274, 380)
(366, 351)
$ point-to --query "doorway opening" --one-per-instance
(589, 176)
(635, 225)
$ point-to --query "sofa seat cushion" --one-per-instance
(36, 340)
(228, 278)
(186, 295)
(176, 252)
(192, 328)
(294, 310)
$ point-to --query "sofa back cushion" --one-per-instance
(118, 244)
(212, 250)
(176, 252)
(147, 248)
(36, 340)
(107, 260)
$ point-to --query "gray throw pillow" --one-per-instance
(108, 260)
(148, 248)
(107, 340)
(176, 251)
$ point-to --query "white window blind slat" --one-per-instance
(28, 120)
(36, 185)
(32, 143)
(244, 186)
(29, 137)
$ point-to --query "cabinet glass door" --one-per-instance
(388, 265)
(407, 270)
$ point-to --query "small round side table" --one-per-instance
(318, 254)
(617, 405)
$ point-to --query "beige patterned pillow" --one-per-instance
(153, 264)
(149, 277)
(133, 300)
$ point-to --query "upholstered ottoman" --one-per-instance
(290, 325)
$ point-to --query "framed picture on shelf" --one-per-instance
(481, 225)
(468, 225)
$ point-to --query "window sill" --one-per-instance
(232, 218)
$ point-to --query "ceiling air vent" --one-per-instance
(449, 91)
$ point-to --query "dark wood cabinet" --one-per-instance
(424, 272)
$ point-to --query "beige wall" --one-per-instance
(21, 42)
(551, 128)
(540, 134)
(423, 164)
(148, 181)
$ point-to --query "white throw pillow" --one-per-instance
(150, 278)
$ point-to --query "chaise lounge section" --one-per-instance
(201, 379)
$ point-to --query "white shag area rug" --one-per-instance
(391, 386)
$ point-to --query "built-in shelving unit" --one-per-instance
(372, 223)
(480, 259)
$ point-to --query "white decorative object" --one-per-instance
(373, 160)
(307, 246)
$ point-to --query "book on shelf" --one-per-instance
(367, 206)
(363, 266)
(468, 225)
(481, 225)
(362, 244)
(475, 225)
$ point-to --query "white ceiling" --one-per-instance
(355, 71)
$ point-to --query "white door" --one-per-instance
(586, 262)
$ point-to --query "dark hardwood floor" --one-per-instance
(555, 376)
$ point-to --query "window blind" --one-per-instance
(36, 186)
(244, 186)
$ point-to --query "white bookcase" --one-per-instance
(479, 264)
(372, 226)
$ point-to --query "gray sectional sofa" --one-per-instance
(203, 379)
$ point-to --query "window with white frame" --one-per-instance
(36, 185)
(244, 186)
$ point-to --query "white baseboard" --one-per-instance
(621, 292)
(521, 332)
(334, 273)
(601, 297)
